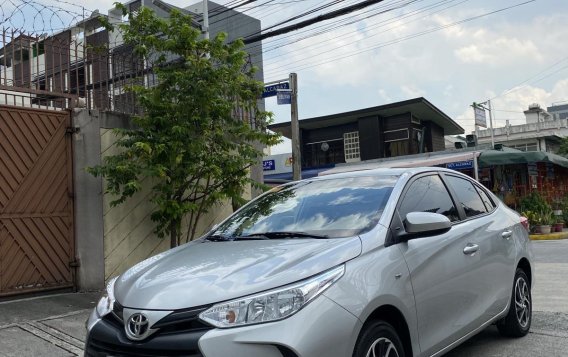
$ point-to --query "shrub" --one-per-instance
(537, 210)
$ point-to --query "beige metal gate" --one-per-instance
(36, 206)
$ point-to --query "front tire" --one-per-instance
(517, 323)
(378, 339)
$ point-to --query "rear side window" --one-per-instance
(428, 194)
(467, 196)
(486, 200)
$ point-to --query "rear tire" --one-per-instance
(517, 323)
(378, 339)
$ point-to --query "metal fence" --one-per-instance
(76, 67)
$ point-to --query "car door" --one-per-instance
(443, 267)
(491, 231)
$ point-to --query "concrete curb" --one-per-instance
(550, 236)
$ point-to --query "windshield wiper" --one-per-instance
(284, 234)
(218, 238)
(223, 238)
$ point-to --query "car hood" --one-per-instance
(205, 272)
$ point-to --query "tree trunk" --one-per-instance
(173, 234)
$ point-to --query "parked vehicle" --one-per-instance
(387, 262)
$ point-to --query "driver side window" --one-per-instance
(428, 194)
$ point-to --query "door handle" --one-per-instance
(507, 234)
(470, 249)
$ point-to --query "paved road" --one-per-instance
(549, 331)
(54, 326)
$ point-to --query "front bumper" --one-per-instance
(322, 328)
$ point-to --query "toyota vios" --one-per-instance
(391, 262)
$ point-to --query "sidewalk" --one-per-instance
(550, 236)
(45, 326)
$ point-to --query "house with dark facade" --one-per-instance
(90, 62)
(403, 128)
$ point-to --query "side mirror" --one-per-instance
(426, 223)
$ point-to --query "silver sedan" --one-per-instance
(387, 262)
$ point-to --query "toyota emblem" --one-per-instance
(137, 327)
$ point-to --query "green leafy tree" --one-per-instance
(188, 140)
(563, 149)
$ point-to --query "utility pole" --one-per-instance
(205, 27)
(491, 123)
(295, 126)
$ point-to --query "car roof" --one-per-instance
(411, 171)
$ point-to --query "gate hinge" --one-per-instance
(75, 263)
(71, 130)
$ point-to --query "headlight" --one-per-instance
(104, 307)
(270, 306)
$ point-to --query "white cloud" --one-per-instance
(511, 105)
(384, 96)
(498, 52)
(411, 91)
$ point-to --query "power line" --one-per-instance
(373, 26)
(524, 83)
(401, 39)
(239, 13)
(280, 3)
(326, 27)
(268, 12)
(329, 15)
(305, 13)
(228, 8)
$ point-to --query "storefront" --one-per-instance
(512, 174)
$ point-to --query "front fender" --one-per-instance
(375, 279)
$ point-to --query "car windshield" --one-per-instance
(332, 208)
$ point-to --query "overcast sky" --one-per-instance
(517, 56)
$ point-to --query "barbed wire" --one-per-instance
(41, 17)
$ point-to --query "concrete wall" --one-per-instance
(88, 202)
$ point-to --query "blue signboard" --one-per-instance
(460, 165)
(268, 165)
(272, 90)
(284, 97)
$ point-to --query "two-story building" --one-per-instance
(544, 130)
(403, 128)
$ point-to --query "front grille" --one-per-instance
(178, 335)
(183, 321)
(100, 349)
(118, 310)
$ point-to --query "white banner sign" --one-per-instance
(480, 119)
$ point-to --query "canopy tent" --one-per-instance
(508, 156)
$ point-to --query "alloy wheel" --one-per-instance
(522, 302)
(382, 347)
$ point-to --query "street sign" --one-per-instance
(480, 119)
(460, 165)
(284, 96)
(268, 165)
(272, 90)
